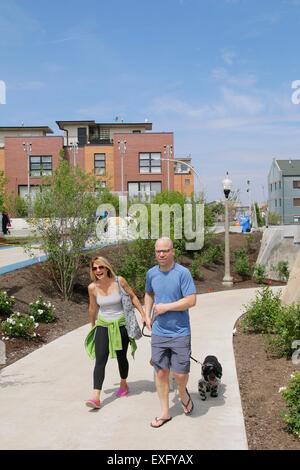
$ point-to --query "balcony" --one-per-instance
(98, 141)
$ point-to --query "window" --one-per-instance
(99, 134)
(275, 186)
(144, 186)
(296, 201)
(41, 165)
(99, 163)
(296, 184)
(279, 184)
(271, 187)
(187, 182)
(100, 185)
(275, 202)
(23, 191)
(150, 162)
(136, 131)
(280, 202)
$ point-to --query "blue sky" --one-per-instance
(217, 73)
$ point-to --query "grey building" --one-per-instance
(284, 190)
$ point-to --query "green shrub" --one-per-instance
(214, 254)
(242, 263)
(6, 303)
(262, 312)
(249, 243)
(170, 198)
(134, 261)
(42, 311)
(16, 205)
(286, 329)
(291, 396)
(196, 266)
(274, 218)
(283, 270)
(19, 325)
(259, 273)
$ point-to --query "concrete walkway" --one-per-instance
(15, 257)
(42, 395)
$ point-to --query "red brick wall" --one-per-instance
(135, 143)
(16, 159)
(79, 156)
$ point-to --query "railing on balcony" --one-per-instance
(98, 141)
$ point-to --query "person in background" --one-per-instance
(5, 223)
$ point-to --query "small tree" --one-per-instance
(3, 182)
(64, 218)
(16, 205)
(260, 220)
(274, 218)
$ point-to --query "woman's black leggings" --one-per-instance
(102, 353)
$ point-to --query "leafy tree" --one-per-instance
(3, 182)
(64, 218)
(260, 220)
(16, 205)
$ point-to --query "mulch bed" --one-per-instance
(260, 376)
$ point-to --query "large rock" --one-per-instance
(280, 243)
(291, 293)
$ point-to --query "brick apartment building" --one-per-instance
(124, 157)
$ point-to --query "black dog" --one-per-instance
(211, 374)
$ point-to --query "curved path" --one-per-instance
(42, 395)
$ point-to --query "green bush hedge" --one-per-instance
(291, 396)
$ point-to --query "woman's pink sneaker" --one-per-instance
(95, 404)
(122, 392)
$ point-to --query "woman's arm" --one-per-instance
(92, 304)
(133, 296)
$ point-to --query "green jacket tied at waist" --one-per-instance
(114, 337)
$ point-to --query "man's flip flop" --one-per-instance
(187, 404)
(163, 421)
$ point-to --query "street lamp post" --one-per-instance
(122, 150)
(74, 147)
(168, 152)
(27, 146)
(227, 279)
(187, 164)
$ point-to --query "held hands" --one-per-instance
(159, 309)
(147, 322)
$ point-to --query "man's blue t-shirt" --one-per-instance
(167, 287)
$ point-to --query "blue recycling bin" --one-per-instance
(245, 223)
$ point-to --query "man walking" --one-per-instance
(170, 291)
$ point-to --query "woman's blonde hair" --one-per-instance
(99, 260)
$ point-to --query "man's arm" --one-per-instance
(178, 306)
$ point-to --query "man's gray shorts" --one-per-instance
(171, 353)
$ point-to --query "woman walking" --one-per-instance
(106, 313)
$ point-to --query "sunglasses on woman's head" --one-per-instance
(94, 268)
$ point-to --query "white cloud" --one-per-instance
(241, 103)
(244, 80)
(228, 56)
